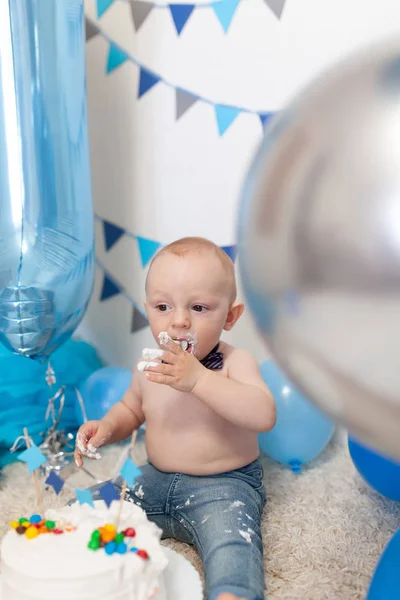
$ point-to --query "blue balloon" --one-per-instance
(46, 214)
(385, 584)
(102, 390)
(301, 431)
(379, 471)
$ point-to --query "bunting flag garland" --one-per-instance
(185, 99)
(33, 458)
(130, 472)
(231, 251)
(102, 6)
(112, 233)
(55, 481)
(276, 6)
(140, 11)
(181, 12)
(108, 492)
(91, 30)
(147, 249)
(109, 289)
(84, 497)
(225, 12)
(225, 116)
(139, 321)
(147, 80)
(116, 57)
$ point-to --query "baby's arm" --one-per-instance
(241, 398)
(121, 420)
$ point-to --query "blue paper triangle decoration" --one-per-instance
(147, 81)
(231, 251)
(33, 458)
(180, 14)
(108, 493)
(147, 249)
(225, 116)
(112, 233)
(130, 472)
(116, 57)
(264, 118)
(225, 10)
(84, 497)
(102, 6)
(55, 481)
(109, 289)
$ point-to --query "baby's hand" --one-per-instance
(180, 370)
(90, 437)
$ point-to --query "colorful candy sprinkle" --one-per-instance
(37, 525)
(115, 542)
(35, 518)
(31, 532)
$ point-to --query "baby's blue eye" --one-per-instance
(199, 308)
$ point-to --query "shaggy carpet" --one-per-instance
(323, 529)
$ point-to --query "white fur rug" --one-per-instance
(324, 529)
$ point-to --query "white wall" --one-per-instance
(163, 179)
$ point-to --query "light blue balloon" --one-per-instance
(46, 214)
(101, 390)
(301, 431)
(385, 584)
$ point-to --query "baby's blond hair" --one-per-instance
(188, 245)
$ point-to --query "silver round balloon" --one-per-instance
(319, 243)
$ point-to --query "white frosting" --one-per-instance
(187, 343)
(61, 567)
(152, 353)
(144, 364)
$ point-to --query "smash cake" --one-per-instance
(77, 553)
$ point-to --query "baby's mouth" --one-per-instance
(185, 344)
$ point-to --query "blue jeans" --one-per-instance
(219, 514)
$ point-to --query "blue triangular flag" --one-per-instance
(112, 233)
(225, 116)
(109, 289)
(102, 6)
(147, 249)
(264, 117)
(180, 14)
(225, 10)
(33, 458)
(147, 81)
(129, 471)
(84, 497)
(231, 251)
(55, 481)
(116, 57)
(109, 493)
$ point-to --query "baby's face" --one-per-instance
(188, 295)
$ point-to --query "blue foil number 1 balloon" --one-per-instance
(46, 215)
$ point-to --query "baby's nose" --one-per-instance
(181, 319)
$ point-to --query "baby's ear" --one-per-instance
(235, 312)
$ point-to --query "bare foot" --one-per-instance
(229, 597)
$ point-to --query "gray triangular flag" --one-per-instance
(139, 321)
(140, 11)
(184, 101)
(276, 6)
(91, 29)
